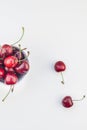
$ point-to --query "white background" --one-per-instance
(54, 30)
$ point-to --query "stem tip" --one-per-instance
(62, 82)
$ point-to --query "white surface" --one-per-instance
(54, 30)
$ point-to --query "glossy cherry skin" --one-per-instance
(19, 55)
(22, 67)
(6, 50)
(10, 61)
(9, 69)
(59, 66)
(2, 73)
(67, 101)
(10, 79)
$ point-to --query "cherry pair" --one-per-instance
(67, 101)
(14, 64)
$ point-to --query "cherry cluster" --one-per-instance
(14, 64)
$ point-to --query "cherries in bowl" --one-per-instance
(14, 64)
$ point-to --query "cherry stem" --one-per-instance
(7, 94)
(25, 57)
(21, 49)
(12, 88)
(62, 78)
(20, 37)
(80, 99)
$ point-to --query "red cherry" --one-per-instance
(6, 50)
(22, 67)
(59, 67)
(68, 102)
(19, 55)
(11, 79)
(10, 61)
(2, 73)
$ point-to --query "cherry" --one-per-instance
(2, 73)
(60, 67)
(22, 67)
(18, 52)
(68, 102)
(19, 55)
(11, 79)
(7, 49)
(10, 61)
